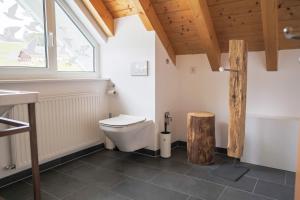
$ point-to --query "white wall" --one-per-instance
(131, 43)
(270, 95)
(166, 90)
(149, 96)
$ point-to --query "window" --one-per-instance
(74, 51)
(44, 35)
(22, 36)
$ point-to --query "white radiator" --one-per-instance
(64, 124)
(271, 141)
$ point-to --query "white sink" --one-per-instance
(8, 98)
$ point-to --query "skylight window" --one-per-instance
(74, 51)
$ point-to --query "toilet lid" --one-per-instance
(122, 120)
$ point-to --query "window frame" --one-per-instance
(51, 68)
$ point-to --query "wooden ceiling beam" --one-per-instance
(269, 13)
(102, 15)
(151, 22)
(206, 32)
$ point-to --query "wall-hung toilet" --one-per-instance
(128, 133)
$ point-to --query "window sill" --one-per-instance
(53, 80)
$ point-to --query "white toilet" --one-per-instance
(128, 133)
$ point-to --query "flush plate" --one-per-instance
(139, 68)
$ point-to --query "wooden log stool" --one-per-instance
(201, 138)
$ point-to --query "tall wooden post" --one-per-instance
(237, 97)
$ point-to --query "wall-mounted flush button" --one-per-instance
(139, 68)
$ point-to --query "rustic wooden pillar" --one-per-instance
(201, 137)
(237, 97)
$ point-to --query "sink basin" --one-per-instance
(8, 98)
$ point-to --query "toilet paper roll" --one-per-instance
(111, 92)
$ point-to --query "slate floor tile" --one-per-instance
(245, 183)
(179, 154)
(23, 191)
(20, 190)
(233, 194)
(58, 184)
(132, 169)
(98, 159)
(69, 166)
(194, 198)
(188, 185)
(96, 176)
(160, 163)
(94, 193)
(139, 190)
(267, 174)
(111, 175)
(114, 154)
(273, 190)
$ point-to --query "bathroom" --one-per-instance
(71, 145)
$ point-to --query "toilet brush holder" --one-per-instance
(165, 144)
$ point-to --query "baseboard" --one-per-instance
(176, 144)
(48, 165)
(156, 153)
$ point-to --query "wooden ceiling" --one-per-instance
(231, 19)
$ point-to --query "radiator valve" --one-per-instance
(10, 167)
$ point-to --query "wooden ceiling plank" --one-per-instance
(151, 22)
(102, 15)
(206, 32)
(269, 13)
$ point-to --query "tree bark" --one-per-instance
(201, 137)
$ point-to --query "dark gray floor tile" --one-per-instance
(114, 154)
(160, 163)
(94, 193)
(132, 169)
(139, 190)
(233, 194)
(290, 178)
(59, 184)
(96, 176)
(274, 190)
(45, 197)
(22, 191)
(245, 183)
(69, 166)
(179, 154)
(97, 159)
(194, 198)
(267, 174)
(188, 185)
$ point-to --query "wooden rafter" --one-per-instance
(102, 15)
(151, 22)
(269, 13)
(206, 32)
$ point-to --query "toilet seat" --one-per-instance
(122, 121)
